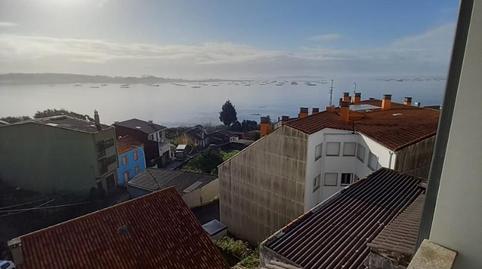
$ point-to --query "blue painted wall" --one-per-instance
(131, 165)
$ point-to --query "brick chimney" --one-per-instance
(345, 111)
(330, 108)
(346, 97)
(387, 102)
(303, 112)
(407, 101)
(315, 110)
(97, 120)
(265, 126)
(357, 98)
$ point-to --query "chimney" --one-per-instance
(330, 108)
(346, 97)
(97, 120)
(407, 101)
(303, 112)
(315, 110)
(265, 126)
(285, 118)
(387, 102)
(345, 111)
(357, 98)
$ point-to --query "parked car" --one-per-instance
(7, 265)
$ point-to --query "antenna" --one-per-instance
(331, 93)
(354, 90)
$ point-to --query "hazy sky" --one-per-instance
(224, 38)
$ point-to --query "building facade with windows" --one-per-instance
(131, 159)
(59, 154)
(157, 149)
(309, 159)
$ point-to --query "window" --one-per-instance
(138, 169)
(333, 149)
(126, 176)
(349, 149)
(360, 153)
(372, 161)
(317, 152)
(345, 178)
(316, 182)
(331, 179)
(124, 160)
(136, 155)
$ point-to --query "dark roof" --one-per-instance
(143, 126)
(214, 227)
(154, 179)
(65, 122)
(395, 128)
(153, 231)
(400, 236)
(336, 232)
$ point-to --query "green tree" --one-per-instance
(228, 114)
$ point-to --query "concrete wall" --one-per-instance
(415, 159)
(262, 187)
(457, 218)
(203, 195)
(47, 159)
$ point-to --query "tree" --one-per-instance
(228, 114)
(235, 126)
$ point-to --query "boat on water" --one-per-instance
(103, 84)
(124, 86)
(196, 86)
(155, 85)
(77, 85)
(178, 84)
(308, 83)
(294, 83)
(279, 84)
(95, 87)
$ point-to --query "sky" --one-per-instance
(227, 38)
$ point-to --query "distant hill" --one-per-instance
(61, 78)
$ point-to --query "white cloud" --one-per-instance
(325, 37)
(425, 53)
(7, 24)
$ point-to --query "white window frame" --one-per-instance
(341, 179)
(316, 182)
(336, 180)
(318, 151)
(364, 152)
(328, 146)
(370, 154)
(354, 149)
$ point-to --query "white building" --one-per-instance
(306, 160)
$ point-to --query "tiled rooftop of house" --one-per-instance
(335, 233)
(154, 179)
(144, 126)
(400, 236)
(394, 128)
(65, 122)
(155, 231)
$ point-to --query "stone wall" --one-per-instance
(415, 159)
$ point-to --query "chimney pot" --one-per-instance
(345, 111)
(387, 102)
(97, 120)
(303, 112)
(265, 126)
(407, 101)
(315, 110)
(346, 97)
(357, 98)
(285, 118)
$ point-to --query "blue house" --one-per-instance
(131, 159)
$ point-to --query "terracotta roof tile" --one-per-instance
(395, 128)
(335, 233)
(155, 231)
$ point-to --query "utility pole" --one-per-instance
(331, 93)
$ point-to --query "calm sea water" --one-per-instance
(192, 103)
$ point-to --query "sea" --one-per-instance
(189, 103)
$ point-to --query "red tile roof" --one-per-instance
(395, 128)
(155, 231)
(125, 143)
(335, 233)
